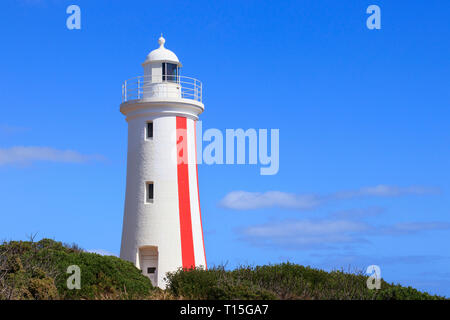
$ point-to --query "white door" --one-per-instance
(149, 267)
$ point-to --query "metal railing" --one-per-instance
(166, 86)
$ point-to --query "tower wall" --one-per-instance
(172, 222)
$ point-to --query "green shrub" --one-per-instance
(37, 270)
(100, 275)
(213, 284)
(282, 281)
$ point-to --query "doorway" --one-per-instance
(149, 263)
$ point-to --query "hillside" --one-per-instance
(37, 270)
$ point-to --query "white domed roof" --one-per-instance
(162, 54)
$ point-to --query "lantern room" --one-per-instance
(162, 79)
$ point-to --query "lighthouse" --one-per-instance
(162, 225)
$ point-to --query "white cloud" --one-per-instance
(358, 213)
(301, 234)
(414, 227)
(102, 252)
(27, 155)
(244, 200)
(305, 233)
(385, 191)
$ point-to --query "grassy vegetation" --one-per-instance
(283, 281)
(37, 270)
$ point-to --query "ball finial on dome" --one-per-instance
(161, 41)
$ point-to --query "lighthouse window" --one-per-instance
(170, 72)
(149, 129)
(149, 191)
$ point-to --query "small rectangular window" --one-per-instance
(149, 191)
(149, 129)
(151, 270)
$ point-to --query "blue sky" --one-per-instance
(363, 117)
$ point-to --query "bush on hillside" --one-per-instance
(37, 270)
(282, 281)
(213, 284)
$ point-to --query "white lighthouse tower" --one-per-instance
(162, 227)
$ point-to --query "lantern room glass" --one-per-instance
(170, 72)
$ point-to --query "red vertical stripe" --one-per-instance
(187, 241)
(198, 192)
